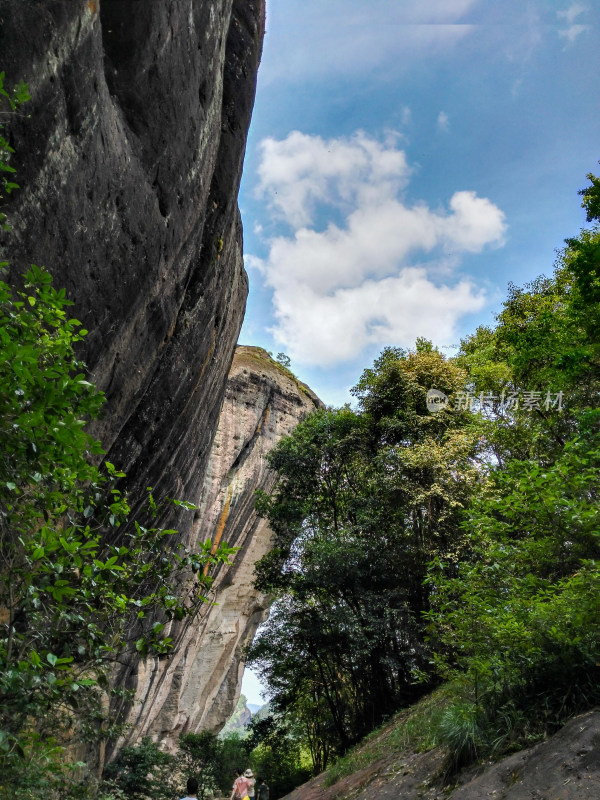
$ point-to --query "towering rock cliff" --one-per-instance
(129, 159)
(197, 688)
(129, 156)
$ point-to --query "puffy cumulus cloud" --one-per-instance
(326, 329)
(341, 287)
(297, 173)
(473, 223)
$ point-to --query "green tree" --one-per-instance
(70, 598)
(200, 755)
(77, 578)
(518, 621)
(143, 771)
(362, 498)
(234, 753)
(278, 754)
(521, 620)
(10, 103)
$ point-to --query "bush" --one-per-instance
(142, 772)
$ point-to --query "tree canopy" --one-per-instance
(460, 544)
(363, 497)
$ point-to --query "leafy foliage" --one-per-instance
(69, 596)
(10, 103)
(234, 750)
(362, 497)
(278, 753)
(143, 771)
(79, 581)
(469, 541)
(200, 755)
(519, 621)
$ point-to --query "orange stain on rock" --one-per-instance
(221, 524)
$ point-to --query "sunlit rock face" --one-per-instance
(201, 684)
(129, 156)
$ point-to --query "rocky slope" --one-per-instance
(198, 687)
(565, 767)
(129, 156)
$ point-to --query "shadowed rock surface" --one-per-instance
(198, 687)
(130, 156)
(130, 159)
(565, 767)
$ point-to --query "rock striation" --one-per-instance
(198, 687)
(129, 156)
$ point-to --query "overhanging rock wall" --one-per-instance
(129, 156)
(129, 160)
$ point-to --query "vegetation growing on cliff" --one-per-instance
(10, 103)
(462, 545)
(79, 581)
(72, 596)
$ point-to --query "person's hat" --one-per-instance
(248, 774)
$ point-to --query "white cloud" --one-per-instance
(342, 286)
(572, 32)
(443, 121)
(301, 171)
(324, 329)
(573, 29)
(570, 14)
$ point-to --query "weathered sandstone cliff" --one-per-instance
(198, 687)
(129, 156)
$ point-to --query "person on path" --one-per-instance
(250, 778)
(240, 786)
(262, 790)
(192, 789)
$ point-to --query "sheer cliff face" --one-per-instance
(198, 687)
(129, 156)
(130, 159)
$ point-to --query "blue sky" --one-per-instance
(406, 161)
